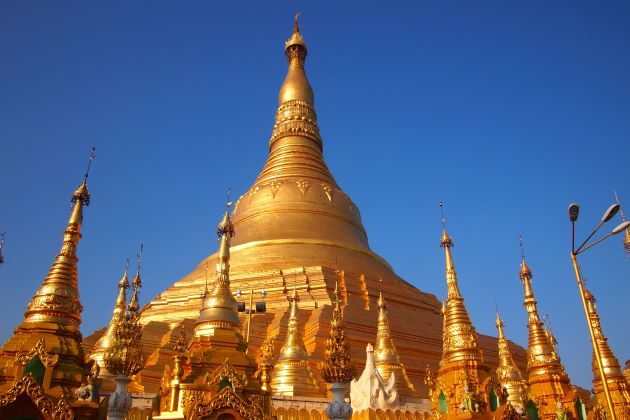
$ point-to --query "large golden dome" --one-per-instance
(296, 227)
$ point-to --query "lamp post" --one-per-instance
(260, 307)
(574, 211)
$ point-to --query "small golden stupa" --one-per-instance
(463, 383)
(292, 375)
(617, 382)
(386, 356)
(215, 374)
(48, 342)
(550, 389)
(508, 373)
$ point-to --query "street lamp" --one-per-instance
(574, 212)
(260, 307)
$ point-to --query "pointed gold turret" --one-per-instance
(219, 309)
(460, 337)
(462, 369)
(292, 373)
(337, 367)
(53, 315)
(107, 340)
(385, 354)
(548, 382)
(508, 373)
(617, 383)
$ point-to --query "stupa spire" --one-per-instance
(136, 284)
(385, 354)
(219, 309)
(53, 315)
(460, 337)
(508, 373)
(292, 373)
(617, 383)
(548, 382)
(120, 307)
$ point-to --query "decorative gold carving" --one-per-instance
(275, 187)
(49, 360)
(226, 371)
(303, 186)
(329, 191)
(227, 398)
(49, 408)
(337, 366)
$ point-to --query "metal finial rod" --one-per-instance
(296, 27)
(140, 257)
(520, 243)
(127, 266)
(87, 171)
(442, 213)
(1, 246)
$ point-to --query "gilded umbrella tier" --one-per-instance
(508, 373)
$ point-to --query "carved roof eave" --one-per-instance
(227, 371)
(48, 407)
(49, 360)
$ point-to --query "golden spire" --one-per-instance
(296, 86)
(292, 374)
(617, 383)
(626, 241)
(219, 309)
(549, 384)
(53, 316)
(460, 337)
(386, 356)
(337, 367)
(106, 341)
(541, 349)
(57, 300)
(125, 357)
(508, 373)
(136, 284)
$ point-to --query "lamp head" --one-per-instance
(620, 228)
(574, 212)
(610, 213)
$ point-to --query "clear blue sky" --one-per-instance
(507, 111)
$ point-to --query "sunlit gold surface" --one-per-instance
(292, 374)
(54, 315)
(463, 377)
(385, 354)
(107, 340)
(617, 382)
(508, 373)
(547, 380)
(296, 225)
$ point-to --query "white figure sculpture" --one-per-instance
(370, 390)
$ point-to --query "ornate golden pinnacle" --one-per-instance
(180, 344)
(125, 356)
(337, 366)
(225, 226)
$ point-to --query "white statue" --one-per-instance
(370, 390)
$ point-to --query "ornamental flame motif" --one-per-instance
(337, 366)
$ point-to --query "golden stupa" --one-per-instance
(296, 226)
(550, 389)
